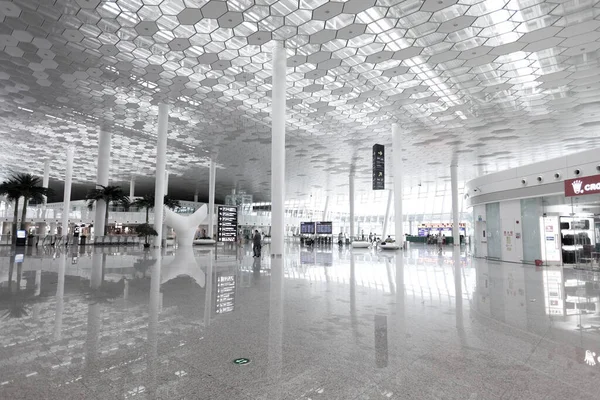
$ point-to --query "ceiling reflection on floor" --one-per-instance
(134, 323)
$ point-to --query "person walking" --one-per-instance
(256, 240)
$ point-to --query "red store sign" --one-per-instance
(582, 186)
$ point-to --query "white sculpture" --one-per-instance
(185, 227)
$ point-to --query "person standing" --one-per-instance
(257, 243)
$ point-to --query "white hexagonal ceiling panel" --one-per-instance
(497, 83)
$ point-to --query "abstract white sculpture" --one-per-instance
(185, 227)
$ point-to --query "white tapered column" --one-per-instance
(166, 182)
(212, 176)
(45, 183)
(102, 179)
(195, 197)
(67, 192)
(161, 164)
(397, 168)
(325, 209)
(455, 220)
(132, 187)
(278, 117)
(387, 215)
(351, 195)
(164, 226)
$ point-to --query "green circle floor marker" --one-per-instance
(241, 361)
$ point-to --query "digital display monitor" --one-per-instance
(324, 228)
(21, 234)
(307, 228)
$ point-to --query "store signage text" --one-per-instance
(582, 186)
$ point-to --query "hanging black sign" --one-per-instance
(378, 167)
(227, 224)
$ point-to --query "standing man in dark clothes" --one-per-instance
(257, 245)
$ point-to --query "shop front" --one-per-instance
(554, 223)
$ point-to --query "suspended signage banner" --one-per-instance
(378, 167)
(582, 186)
(227, 224)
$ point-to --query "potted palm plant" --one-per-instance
(109, 194)
(145, 230)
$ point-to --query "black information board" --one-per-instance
(324, 228)
(227, 224)
(307, 228)
(378, 167)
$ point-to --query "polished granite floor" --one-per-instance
(326, 323)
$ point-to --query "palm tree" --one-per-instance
(147, 202)
(110, 194)
(27, 186)
(30, 187)
(9, 189)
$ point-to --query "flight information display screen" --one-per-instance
(307, 228)
(324, 228)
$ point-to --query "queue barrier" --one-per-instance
(116, 240)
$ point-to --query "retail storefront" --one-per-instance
(555, 219)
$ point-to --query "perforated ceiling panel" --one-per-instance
(496, 83)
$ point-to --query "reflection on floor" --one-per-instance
(330, 323)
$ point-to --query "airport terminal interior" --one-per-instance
(299, 199)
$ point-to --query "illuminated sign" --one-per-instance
(582, 186)
(227, 224)
(378, 167)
